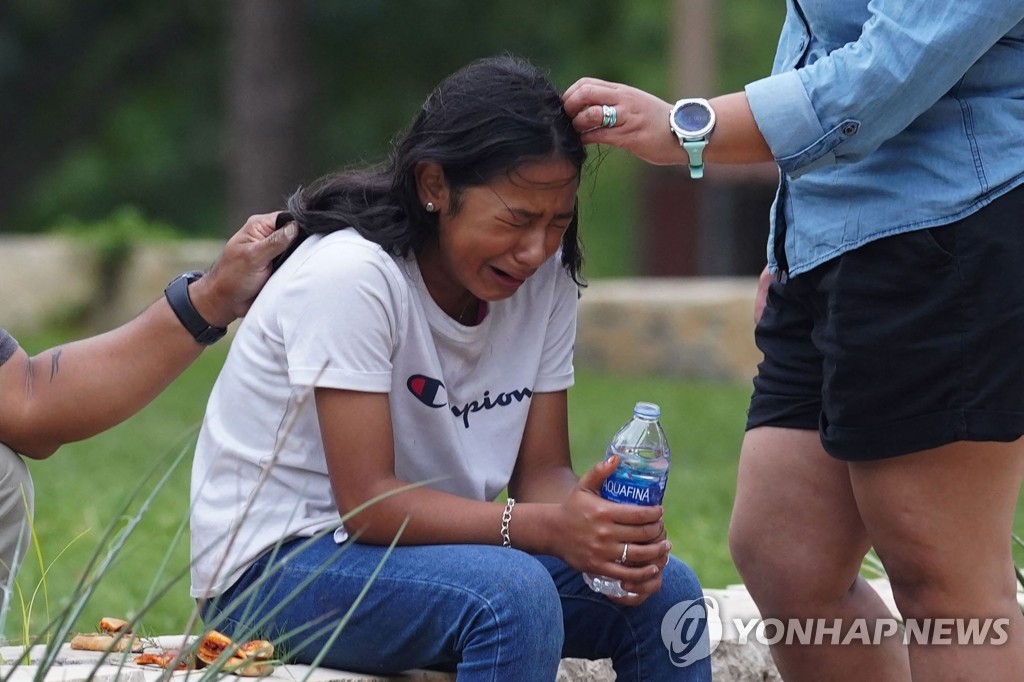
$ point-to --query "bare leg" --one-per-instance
(798, 541)
(940, 521)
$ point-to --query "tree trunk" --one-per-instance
(269, 91)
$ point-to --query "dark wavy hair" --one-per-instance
(486, 119)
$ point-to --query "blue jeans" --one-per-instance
(490, 613)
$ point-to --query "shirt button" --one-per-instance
(849, 129)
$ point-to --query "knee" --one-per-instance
(531, 596)
(778, 570)
(746, 546)
(911, 586)
(524, 607)
(758, 560)
(925, 585)
(679, 582)
(679, 587)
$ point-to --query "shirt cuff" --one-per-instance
(8, 346)
(790, 125)
(367, 382)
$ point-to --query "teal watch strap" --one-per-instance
(695, 150)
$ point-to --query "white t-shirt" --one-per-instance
(342, 313)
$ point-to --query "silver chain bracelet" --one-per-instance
(506, 516)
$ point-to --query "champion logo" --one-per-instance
(426, 390)
(431, 392)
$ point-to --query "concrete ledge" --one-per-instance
(79, 666)
(735, 658)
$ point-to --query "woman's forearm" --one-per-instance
(82, 388)
(736, 139)
(79, 389)
(436, 517)
(642, 124)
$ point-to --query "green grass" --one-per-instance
(80, 489)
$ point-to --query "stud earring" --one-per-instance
(430, 207)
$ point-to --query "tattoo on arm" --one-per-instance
(55, 363)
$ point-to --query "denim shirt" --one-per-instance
(887, 116)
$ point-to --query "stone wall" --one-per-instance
(147, 272)
(697, 328)
(48, 278)
(42, 278)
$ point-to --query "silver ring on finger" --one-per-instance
(609, 116)
(625, 551)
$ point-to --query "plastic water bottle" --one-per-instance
(640, 478)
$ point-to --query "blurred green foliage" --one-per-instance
(116, 234)
(113, 102)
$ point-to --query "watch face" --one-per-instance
(692, 117)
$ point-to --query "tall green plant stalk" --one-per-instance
(27, 607)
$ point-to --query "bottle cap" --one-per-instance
(649, 410)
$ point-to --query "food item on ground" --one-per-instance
(113, 626)
(115, 635)
(251, 659)
(93, 641)
(165, 659)
(212, 645)
(257, 650)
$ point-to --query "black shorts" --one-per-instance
(907, 343)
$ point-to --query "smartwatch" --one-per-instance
(692, 121)
(177, 296)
